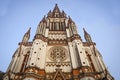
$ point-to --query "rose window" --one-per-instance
(57, 54)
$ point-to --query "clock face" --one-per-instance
(57, 54)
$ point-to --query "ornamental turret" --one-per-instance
(26, 36)
(87, 36)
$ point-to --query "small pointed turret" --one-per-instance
(63, 14)
(43, 20)
(87, 36)
(49, 14)
(69, 19)
(26, 36)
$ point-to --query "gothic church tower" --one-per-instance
(57, 52)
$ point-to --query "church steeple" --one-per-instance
(26, 36)
(87, 36)
(57, 52)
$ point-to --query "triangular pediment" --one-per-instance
(59, 75)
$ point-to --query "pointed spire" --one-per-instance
(26, 36)
(56, 13)
(49, 14)
(28, 32)
(69, 19)
(63, 14)
(43, 20)
(56, 9)
(87, 36)
(85, 32)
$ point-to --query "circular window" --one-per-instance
(57, 54)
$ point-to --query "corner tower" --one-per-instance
(57, 52)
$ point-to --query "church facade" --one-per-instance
(57, 52)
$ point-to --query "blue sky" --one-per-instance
(101, 18)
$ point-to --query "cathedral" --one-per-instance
(57, 52)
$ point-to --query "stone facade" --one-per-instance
(57, 52)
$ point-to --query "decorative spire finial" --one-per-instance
(26, 36)
(85, 32)
(28, 32)
(63, 14)
(70, 19)
(44, 19)
(87, 36)
(49, 14)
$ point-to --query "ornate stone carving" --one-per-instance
(57, 54)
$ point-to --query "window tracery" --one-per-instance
(57, 54)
